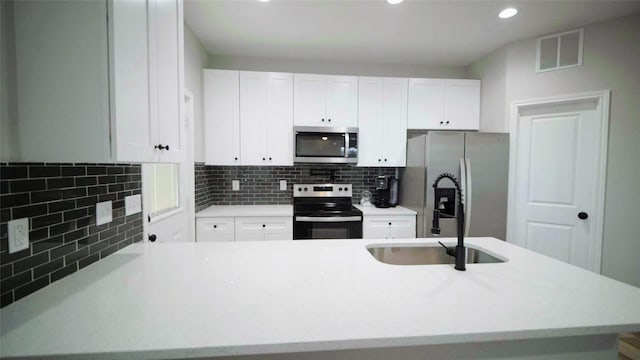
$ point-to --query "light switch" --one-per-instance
(235, 185)
(283, 185)
(132, 205)
(104, 212)
(18, 234)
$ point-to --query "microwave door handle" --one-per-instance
(346, 145)
(328, 218)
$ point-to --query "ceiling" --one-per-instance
(453, 32)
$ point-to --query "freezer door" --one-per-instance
(487, 157)
(444, 149)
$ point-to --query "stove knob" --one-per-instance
(305, 189)
(339, 189)
(346, 189)
(299, 189)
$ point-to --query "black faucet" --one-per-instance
(459, 252)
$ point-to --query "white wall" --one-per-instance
(492, 69)
(334, 67)
(195, 59)
(611, 61)
(9, 150)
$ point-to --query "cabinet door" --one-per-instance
(342, 101)
(426, 103)
(394, 122)
(278, 228)
(254, 87)
(309, 100)
(462, 104)
(214, 229)
(402, 227)
(165, 61)
(221, 117)
(375, 227)
(279, 128)
(370, 110)
(250, 228)
(136, 130)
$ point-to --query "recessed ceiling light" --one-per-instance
(507, 13)
(393, 2)
(263, 0)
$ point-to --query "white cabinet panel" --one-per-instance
(382, 121)
(222, 117)
(444, 104)
(263, 228)
(215, 229)
(389, 227)
(266, 118)
(325, 100)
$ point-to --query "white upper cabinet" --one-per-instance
(325, 100)
(266, 118)
(382, 121)
(222, 116)
(102, 83)
(444, 104)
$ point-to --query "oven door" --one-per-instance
(327, 227)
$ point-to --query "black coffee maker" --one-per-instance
(386, 191)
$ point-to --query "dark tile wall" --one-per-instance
(59, 200)
(261, 184)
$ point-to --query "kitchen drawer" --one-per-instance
(215, 229)
(263, 228)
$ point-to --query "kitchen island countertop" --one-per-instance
(185, 300)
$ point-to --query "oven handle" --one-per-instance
(328, 218)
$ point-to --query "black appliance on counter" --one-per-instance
(386, 191)
(324, 211)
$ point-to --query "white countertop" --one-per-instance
(245, 210)
(372, 210)
(207, 299)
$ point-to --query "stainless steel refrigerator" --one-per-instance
(480, 162)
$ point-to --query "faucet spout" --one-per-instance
(460, 252)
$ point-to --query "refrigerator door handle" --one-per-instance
(468, 197)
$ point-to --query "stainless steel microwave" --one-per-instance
(319, 144)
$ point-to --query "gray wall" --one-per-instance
(611, 58)
(335, 67)
(195, 59)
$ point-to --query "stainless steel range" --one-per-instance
(324, 211)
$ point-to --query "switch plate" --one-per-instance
(18, 234)
(283, 185)
(235, 185)
(132, 205)
(103, 213)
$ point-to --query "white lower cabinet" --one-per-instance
(389, 227)
(215, 229)
(244, 228)
(263, 228)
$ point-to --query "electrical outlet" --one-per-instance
(104, 213)
(283, 185)
(18, 234)
(132, 205)
(235, 185)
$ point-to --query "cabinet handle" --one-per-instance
(379, 160)
(385, 160)
(322, 120)
(389, 223)
(235, 158)
(263, 159)
(269, 158)
(447, 123)
(152, 237)
(215, 226)
(329, 120)
(161, 147)
(441, 122)
(263, 225)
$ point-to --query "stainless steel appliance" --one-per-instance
(386, 191)
(480, 161)
(324, 211)
(317, 144)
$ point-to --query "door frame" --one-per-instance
(603, 100)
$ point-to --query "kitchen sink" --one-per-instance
(426, 255)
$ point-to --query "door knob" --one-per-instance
(152, 237)
(582, 215)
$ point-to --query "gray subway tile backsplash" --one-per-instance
(59, 200)
(261, 184)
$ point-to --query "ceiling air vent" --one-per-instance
(560, 51)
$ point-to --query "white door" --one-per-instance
(168, 189)
(558, 182)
